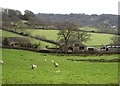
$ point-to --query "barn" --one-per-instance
(73, 47)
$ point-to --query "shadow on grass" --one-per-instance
(95, 60)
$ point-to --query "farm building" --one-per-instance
(73, 47)
(91, 49)
(111, 48)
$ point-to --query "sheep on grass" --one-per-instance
(1, 62)
(56, 64)
(45, 60)
(34, 66)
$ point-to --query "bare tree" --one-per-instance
(66, 32)
(69, 33)
(115, 40)
(82, 36)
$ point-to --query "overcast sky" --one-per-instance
(63, 6)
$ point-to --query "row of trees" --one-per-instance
(81, 19)
(15, 18)
(14, 15)
(116, 40)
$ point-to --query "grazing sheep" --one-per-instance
(57, 71)
(56, 64)
(34, 66)
(1, 62)
(45, 60)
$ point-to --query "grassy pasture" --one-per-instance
(8, 34)
(17, 69)
(32, 40)
(96, 38)
(99, 39)
(0, 67)
(89, 29)
(49, 34)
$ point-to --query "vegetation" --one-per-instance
(81, 19)
(104, 39)
(89, 29)
(115, 40)
(8, 34)
(66, 33)
(72, 69)
(5, 42)
(99, 39)
(32, 40)
(17, 69)
(48, 34)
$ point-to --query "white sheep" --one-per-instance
(56, 64)
(34, 66)
(45, 60)
(57, 71)
(1, 62)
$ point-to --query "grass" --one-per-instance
(17, 69)
(9, 34)
(89, 29)
(49, 34)
(97, 39)
(32, 40)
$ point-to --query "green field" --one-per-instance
(99, 39)
(96, 38)
(17, 69)
(0, 67)
(9, 34)
(49, 34)
(89, 29)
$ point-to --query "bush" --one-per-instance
(26, 34)
(21, 33)
(5, 42)
(30, 45)
(36, 45)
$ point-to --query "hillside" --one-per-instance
(15, 21)
(93, 20)
(71, 72)
(106, 23)
(104, 39)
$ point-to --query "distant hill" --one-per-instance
(14, 19)
(93, 20)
